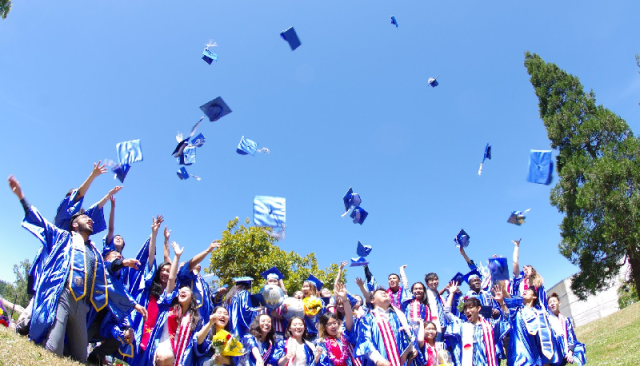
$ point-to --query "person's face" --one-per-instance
(418, 291)
(272, 281)
(325, 292)
(83, 224)
(306, 289)
(297, 328)
(430, 332)
(197, 268)
(529, 294)
(118, 242)
(433, 283)
(265, 324)
(340, 306)
(358, 301)
(554, 305)
(332, 327)
(298, 295)
(475, 284)
(184, 296)
(164, 275)
(223, 318)
(381, 299)
(472, 312)
(112, 256)
(393, 281)
(528, 270)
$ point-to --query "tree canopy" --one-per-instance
(599, 172)
(17, 292)
(5, 8)
(250, 250)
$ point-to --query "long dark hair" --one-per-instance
(287, 332)
(322, 324)
(156, 287)
(237, 288)
(255, 331)
(425, 298)
(193, 309)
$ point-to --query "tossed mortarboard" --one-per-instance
(121, 171)
(363, 250)
(313, 279)
(188, 156)
(499, 269)
(291, 37)
(244, 279)
(540, 167)
(183, 174)
(215, 109)
(249, 147)
(269, 211)
(358, 262)
(129, 152)
(350, 200)
(433, 82)
(209, 56)
(272, 272)
(472, 273)
(394, 21)
(517, 217)
(486, 155)
(359, 215)
(458, 278)
(462, 239)
(183, 142)
(198, 140)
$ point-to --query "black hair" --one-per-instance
(254, 328)
(193, 309)
(324, 320)
(430, 276)
(425, 298)
(156, 287)
(287, 332)
(393, 274)
(471, 301)
(73, 219)
(237, 288)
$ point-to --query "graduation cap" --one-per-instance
(209, 56)
(291, 37)
(313, 279)
(350, 200)
(472, 273)
(487, 155)
(215, 109)
(462, 239)
(394, 21)
(188, 156)
(183, 142)
(486, 312)
(517, 217)
(247, 146)
(540, 167)
(358, 262)
(363, 250)
(221, 287)
(458, 278)
(246, 280)
(257, 300)
(121, 171)
(359, 215)
(433, 82)
(269, 211)
(198, 140)
(183, 174)
(272, 272)
(129, 152)
(499, 269)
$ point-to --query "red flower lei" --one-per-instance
(337, 352)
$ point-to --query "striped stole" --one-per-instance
(388, 339)
(537, 324)
(489, 345)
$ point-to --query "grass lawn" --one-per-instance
(16, 350)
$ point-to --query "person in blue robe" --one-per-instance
(527, 278)
(485, 335)
(380, 337)
(112, 241)
(311, 291)
(189, 275)
(260, 342)
(295, 350)
(436, 305)
(64, 297)
(573, 352)
(238, 304)
(217, 297)
(335, 333)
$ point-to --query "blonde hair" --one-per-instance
(535, 279)
(313, 290)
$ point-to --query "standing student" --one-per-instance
(573, 351)
(260, 342)
(218, 321)
(189, 275)
(429, 348)
(527, 278)
(436, 305)
(296, 350)
(335, 334)
(238, 303)
(311, 293)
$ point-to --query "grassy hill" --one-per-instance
(16, 350)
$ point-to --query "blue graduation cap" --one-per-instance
(472, 273)
(183, 174)
(291, 37)
(183, 142)
(540, 167)
(247, 146)
(209, 56)
(486, 155)
(313, 279)
(257, 300)
(394, 21)
(458, 278)
(221, 287)
(350, 200)
(129, 152)
(357, 262)
(363, 250)
(359, 215)
(517, 217)
(499, 269)
(215, 109)
(269, 211)
(188, 156)
(245, 279)
(433, 82)
(462, 239)
(121, 171)
(272, 272)
(198, 140)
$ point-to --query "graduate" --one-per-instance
(384, 336)
(218, 324)
(417, 308)
(314, 306)
(260, 342)
(430, 350)
(274, 277)
(335, 334)
(62, 302)
(238, 303)
(189, 275)
(483, 335)
(111, 241)
(296, 350)
(436, 305)
(485, 297)
(527, 278)
(573, 351)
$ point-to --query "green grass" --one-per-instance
(16, 350)
(614, 340)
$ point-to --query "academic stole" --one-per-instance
(388, 339)
(433, 303)
(468, 332)
(278, 325)
(181, 334)
(415, 310)
(78, 275)
(395, 298)
(536, 323)
(267, 354)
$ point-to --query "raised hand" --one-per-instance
(453, 287)
(497, 293)
(176, 249)
(340, 291)
(115, 190)
(131, 263)
(112, 199)
(359, 281)
(516, 242)
(403, 266)
(344, 263)
(215, 244)
(15, 186)
(98, 169)
(157, 222)
(167, 233)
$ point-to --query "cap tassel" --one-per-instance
(211, 43)
(195, 176)
(348, 211)
(480, 170)
(264, 150)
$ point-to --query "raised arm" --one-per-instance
(112, 219)
(453, 287)
(104, 199)
(282, 286)
(200, 256)
(339, 277)
(464, 255)
(403, 276)
(340, 291)
(95, 172)
(167, 254)
(155, 226)
(365, 293)
(516, 257)
(202, 333)
(173, 272)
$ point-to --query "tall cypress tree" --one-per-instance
(599, 174)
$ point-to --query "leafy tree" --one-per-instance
(7, 290)
(627, 294)
(249, 251)
(5, 8)
(21, 271)
(599, 178)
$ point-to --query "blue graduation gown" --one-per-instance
(281, 351)
(266, 350)
(199, 287)
(53, 277)
(542, 293)
(240, 313)
(349, 337)
(370, 337)
(570, 343)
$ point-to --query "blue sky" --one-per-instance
(350, 107)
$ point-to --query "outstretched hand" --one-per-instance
(132, 263)
(359, 281)
(176, 249)
(167, 232)
(215, 244)
(517, 242)
(157, 222)
(98, 169)
(15, 187)
(340, 291)
(453, 287)
(112, 199)
(497, 293)
(115, 190)
(344, 263)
